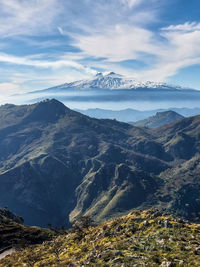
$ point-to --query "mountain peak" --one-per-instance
(99, 74)
(110, 73)
(160, 119)
(48, 110)
(113, 75)
(51, 101)
(112, 81)
(52, 104)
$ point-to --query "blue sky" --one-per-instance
(48, 42)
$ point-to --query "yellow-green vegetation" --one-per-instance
(141, 238)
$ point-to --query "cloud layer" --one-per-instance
(74, 39)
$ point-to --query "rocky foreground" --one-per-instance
(141, 238)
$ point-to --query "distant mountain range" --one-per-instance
(160, 119)
(57, 164)
(132, 115)
(115, 91)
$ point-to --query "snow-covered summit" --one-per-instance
(113, 81)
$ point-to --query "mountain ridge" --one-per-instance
(134, 115)
(97, 166)
(160, 119)
(113, 81)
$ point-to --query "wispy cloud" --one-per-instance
(121, 42)
(26, 61)
(187, 26)
(131, 3)
(172, 48)
(180, 49)
(78, 37)
(20, 17)
(61, 31)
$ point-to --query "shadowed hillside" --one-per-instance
(57, 164)
(14, 234)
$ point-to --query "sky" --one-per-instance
(44, 43)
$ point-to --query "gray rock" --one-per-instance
(118, 253)
(119, 228)
(117, 260)
(166, 264)
(167, 224)
(146, 223)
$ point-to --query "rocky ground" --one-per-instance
(141, 238)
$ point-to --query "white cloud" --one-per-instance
(44, 64)
(131, 3)
(115, 44)
(114, 30)
(172, 48)
(187, 26)
(21, 17)
(180, 49)
(119, 41)
(60, 30)
(30, 80)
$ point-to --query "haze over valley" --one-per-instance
(114, 92)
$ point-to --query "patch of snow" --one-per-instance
(113, 81)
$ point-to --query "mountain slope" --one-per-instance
(160, 119)
(147, 238)
(112, 81)
(51, 149)
(13, 233)
(57, 164)
(185, 179)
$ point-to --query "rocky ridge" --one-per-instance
(57, 164)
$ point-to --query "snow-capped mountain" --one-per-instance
(114, 91)
(113, 81)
